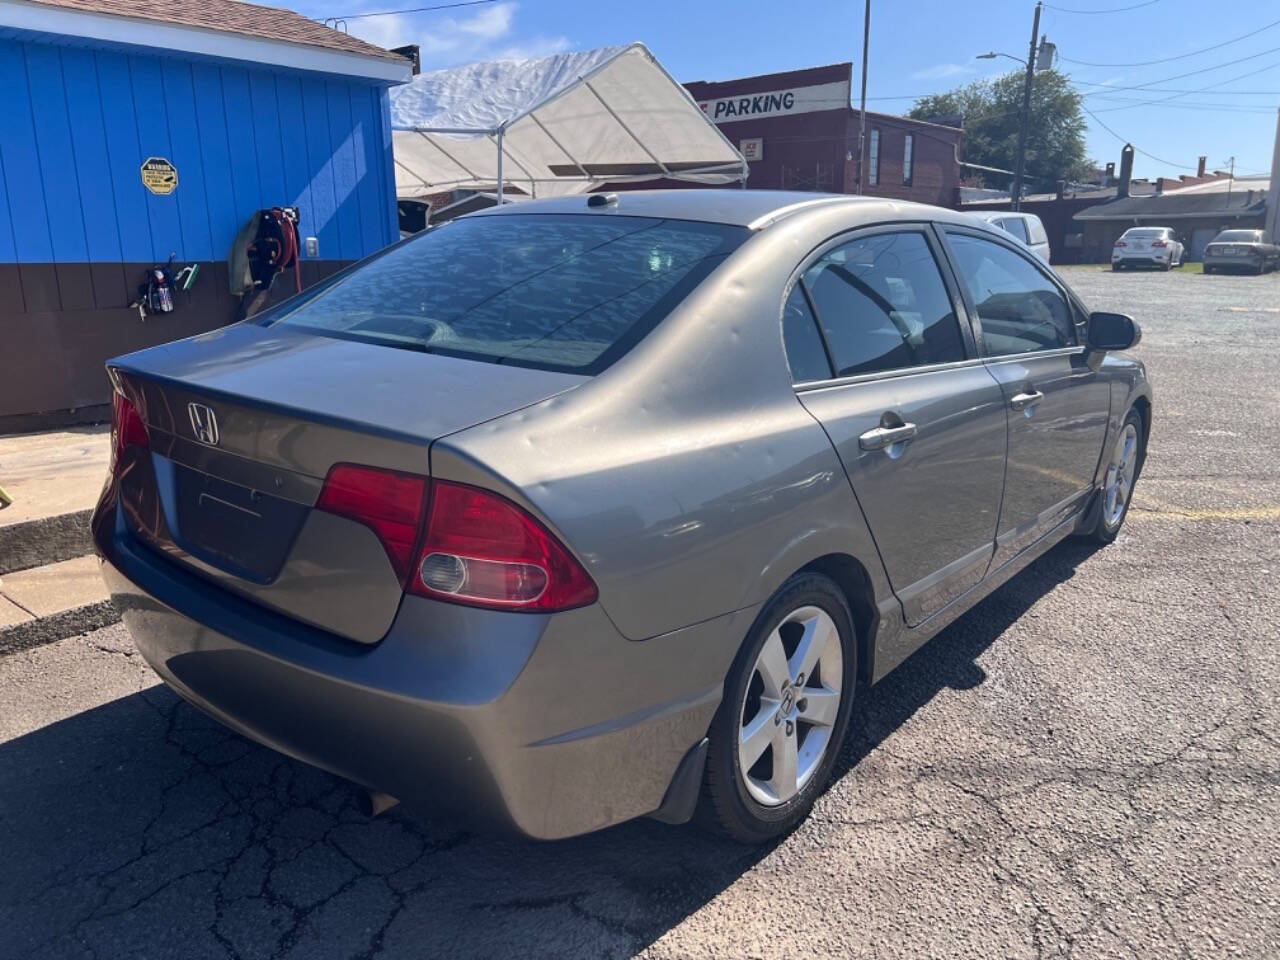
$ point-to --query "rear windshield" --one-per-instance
(1150, 233)
(1240, 236)
(557, 292)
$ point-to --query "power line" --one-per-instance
(1136, 6)
(1175, 96)
(1192, 73)
(1181, 56)
(1107, 86)
(1183, 166)
(1203, 107)
(390, 13)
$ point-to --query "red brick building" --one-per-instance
(799, 132)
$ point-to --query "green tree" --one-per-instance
(990, 111)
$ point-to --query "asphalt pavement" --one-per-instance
(1085, 765)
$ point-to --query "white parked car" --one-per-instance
(1024, 226)
(1147, 247)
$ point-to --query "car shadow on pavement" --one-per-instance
(142, 828)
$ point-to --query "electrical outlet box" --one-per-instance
(313, 246)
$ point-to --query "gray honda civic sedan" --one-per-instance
(587, 509)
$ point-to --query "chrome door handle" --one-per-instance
(880, 437)
(1020, 401)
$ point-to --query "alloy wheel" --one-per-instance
(1120, 475)
(791, 705)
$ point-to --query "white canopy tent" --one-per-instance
(555, 126)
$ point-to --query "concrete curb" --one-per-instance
(59, 626)
(35, 543)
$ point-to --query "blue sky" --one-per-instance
(917, 48)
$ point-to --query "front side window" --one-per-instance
(873, 161)
(882, 305)
(908, 158)
(1020, 309)
(560, 292)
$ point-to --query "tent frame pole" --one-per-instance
(449, 156)
(501, 195)
(640, 143)
(533, 184)
(550, 136)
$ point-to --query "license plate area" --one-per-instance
(239, 529)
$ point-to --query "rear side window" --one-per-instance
(883, 306)
(805, 354)
(1019, 307)
(1016, 226)
(558, 292)
(1035, 230)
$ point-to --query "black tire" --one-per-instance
(1115, 268)
(1104, 532)
(1208, 269)
(725, 806)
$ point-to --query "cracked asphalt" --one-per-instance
(1085, 765)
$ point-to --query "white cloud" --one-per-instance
(491, 33)
(941, 71)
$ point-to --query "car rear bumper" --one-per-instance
(1143, 260)
(547, 726)
(1242, 262)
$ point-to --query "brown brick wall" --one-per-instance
(935, 167)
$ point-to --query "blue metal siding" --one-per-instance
(76, 124)
(57, 160)
(93, 168)
(24, 178)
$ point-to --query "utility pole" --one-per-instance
(1273, 200)
(1231, 180)
(862, 112)
(1016, 192)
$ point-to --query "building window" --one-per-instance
(873, 161)
(908, 155)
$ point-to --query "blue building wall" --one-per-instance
(78, 229)
(76, 124)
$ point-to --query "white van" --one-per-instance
(1025, 226)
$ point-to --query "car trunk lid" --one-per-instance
(243, 426)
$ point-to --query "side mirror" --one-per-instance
(1112, 331)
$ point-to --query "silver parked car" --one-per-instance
(586, 509)
(1246, 250)
(1157, 247)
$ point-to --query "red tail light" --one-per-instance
(1120, 243)
(1159, 243)
(483, 550)
(390, 504)
(477, 548)
(127, 428)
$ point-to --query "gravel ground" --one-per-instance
(1086, 765)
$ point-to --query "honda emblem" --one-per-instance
(203, 423)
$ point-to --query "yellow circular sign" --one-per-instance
(159, 176)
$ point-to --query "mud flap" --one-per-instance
(682, 794)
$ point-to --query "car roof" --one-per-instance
(754, 209)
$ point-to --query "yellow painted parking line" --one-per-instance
(1254, 309)
(1191, 513)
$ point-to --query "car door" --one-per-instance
(915, 417)
(1026, 327)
